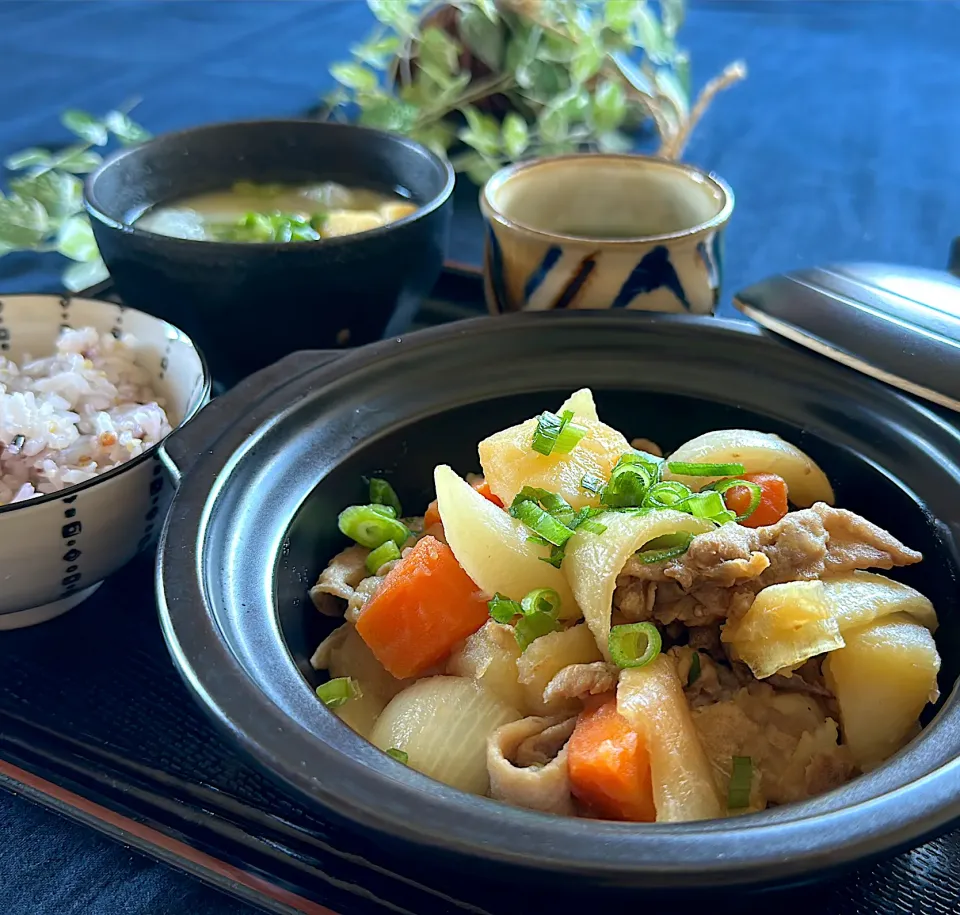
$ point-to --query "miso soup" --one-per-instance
(276, 213)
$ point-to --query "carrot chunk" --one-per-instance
(483, 487)
(421, 610)
(432, 515)
(609, 767)
(773, 499)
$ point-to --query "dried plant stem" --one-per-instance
(672, 147)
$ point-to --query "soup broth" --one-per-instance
(276, 213)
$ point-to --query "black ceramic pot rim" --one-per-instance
(96, 209)
(368, 789)
(193, 408)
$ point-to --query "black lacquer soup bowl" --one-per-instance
(249, 304)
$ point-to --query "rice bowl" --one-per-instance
(88, 392)
(68, 417)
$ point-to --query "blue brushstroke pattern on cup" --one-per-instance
(535, 280)
(655, 271)
(495, 267)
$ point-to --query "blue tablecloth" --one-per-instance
(842, 145)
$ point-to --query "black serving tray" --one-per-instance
(95, 724)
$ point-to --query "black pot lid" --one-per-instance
(900, 325)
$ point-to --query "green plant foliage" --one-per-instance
(490, 83)
(42, 207)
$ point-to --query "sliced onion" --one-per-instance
(493, 548)
(442, 724)
(759, 452)
(593, 561)
(651, 699)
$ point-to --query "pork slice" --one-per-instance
(856, 543)
(537, 786)
(723, 569)
(714, 682)
(576, 681)
(539, 749)
(339, 579)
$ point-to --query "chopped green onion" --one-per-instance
(502, 609)
(583, 521)
(555, 558)
(741, 778)
(269, 227)
(705, 505)
(645, 457)
(704, 470)
(371, 526)
(633, 475)
(540, 522)
(627, 487)
(542, 600)
(592, 483)
(570, 435)
(399, 755)
(550, 502)
(336, 692)
(694, 674)
(669, 546)
(634, 645)
(388, 511)
(382, 493)
(632, 460)
(650, 462)
(384, 553)
(710, 506)
(557, 433)
(756, 494)
(545, 436)
(591, 527)
(538, 613)
(532, 626)
(669, 494)
(552, 520)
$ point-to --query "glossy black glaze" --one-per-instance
(247, 305)
(898, 324)
(256, 516)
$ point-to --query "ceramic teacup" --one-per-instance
(604, 231)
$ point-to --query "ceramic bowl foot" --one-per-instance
(20, 619)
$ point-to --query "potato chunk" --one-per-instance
(789, 623)
(510, 463)
(489, 656)
(882, 678)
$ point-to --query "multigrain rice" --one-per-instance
(68, 417)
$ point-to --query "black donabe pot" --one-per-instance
(267, 467)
